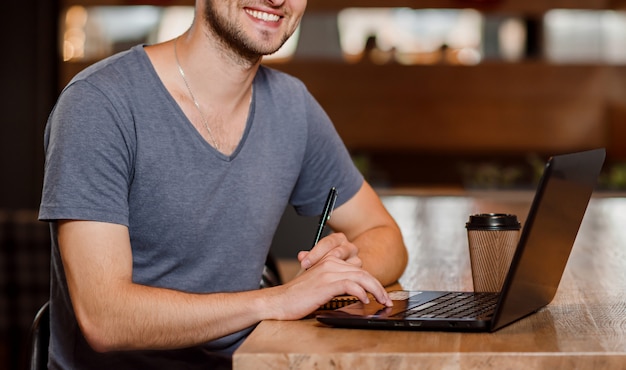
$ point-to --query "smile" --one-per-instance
(267, 17)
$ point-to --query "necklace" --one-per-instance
(193, 97)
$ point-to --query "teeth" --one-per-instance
(263, 16)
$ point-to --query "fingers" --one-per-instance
(302, 255)
(352, 280)
(336, 245)
(330, 278)
(360, 290)
(335, 266)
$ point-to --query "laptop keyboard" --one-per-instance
(460, 305)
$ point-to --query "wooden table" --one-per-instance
(583, 328)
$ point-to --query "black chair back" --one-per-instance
(39, 338)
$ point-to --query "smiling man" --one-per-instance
(168, 168)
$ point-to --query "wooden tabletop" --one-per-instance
(584, 327)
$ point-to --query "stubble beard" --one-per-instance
(233, 40)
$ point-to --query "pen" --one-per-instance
(326, 212)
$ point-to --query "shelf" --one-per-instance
(513, 6)
(67, 3)
(510, 6)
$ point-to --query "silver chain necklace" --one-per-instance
(193, 97)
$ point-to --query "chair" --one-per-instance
(39, 338)
(271, 275)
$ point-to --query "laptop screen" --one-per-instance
(548, 235)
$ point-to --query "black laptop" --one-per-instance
(544, 247)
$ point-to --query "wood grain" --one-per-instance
(583, 328)
(502, 108)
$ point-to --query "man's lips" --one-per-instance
(263, 16)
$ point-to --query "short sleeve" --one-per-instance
(327, 163)
(89, 156)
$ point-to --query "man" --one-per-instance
(167, 170)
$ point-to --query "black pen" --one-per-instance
(326, 212)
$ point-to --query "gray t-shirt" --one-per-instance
(119, 149)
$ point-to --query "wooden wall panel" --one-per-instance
(506, 108)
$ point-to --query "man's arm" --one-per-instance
(114, 313)
(366, 235)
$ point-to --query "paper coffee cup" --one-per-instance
(492, 241)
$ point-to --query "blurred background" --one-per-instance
(430, 94)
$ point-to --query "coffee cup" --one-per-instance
(492, 241)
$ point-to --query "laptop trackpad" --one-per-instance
(402, 300)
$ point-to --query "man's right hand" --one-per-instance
(328, 278)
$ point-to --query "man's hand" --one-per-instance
(365, 235)
(336, 245)
(325, 279)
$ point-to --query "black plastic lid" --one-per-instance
(493, 221)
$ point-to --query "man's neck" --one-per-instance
(216, 71)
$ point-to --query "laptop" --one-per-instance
(534, 275)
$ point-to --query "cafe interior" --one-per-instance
(448, 107)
